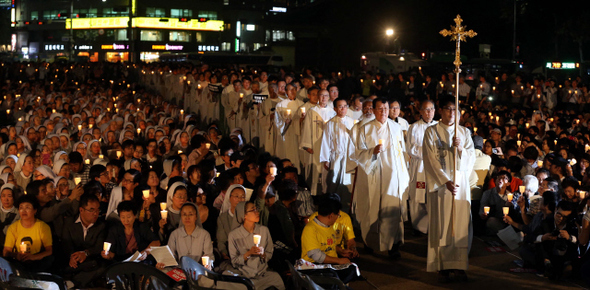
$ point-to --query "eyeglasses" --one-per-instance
(127, 181)
(253, 210)
(93, 210)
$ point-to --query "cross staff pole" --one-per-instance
(458, 33)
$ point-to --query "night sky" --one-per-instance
(359, 26)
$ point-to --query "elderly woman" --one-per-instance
(8, 212)
(190, 239)
(28, 241)
(129, 235)
(247, 257)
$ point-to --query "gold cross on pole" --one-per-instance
(458, 33)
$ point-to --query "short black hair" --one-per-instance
(338, 100)
(75, 157)
(33, 187)
(96, 171)
(503, 172)
(379, 100)
(86, 198)
(28, 198)
(549, 200)
(570, 181)
(136, 175)
(128, 143)
(567, 206)
(328, 205)
(127, 205)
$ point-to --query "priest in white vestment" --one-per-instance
(380, 153)
(335, 149)
(417, 189)
(287, 142)
(231, 105)
(360, 179)
(449, 203)
(311, 141)
(268, 130)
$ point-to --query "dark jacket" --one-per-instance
(73, 238)
(116, 236)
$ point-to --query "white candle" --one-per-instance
(527, 125)
(273, 171)
(163, 206)
(540, 163)
(179, 152)
(119, 153)
(257, 240)
(241, 95)
(518, 142)
(521, 188)
(164, 214)
(207, 145)
(106, 247)
(582, 194)
(217, 174)
(77, 180)
(289, 112)
(555, 141)
(506, 210)
(380, 141)
(100, 156)
(573, 162)
(53, 111)
(199, 86)
(138, 130)
(510, 197)
(586, 147)
(146, 193)
(205, 261)
(23, 247)
(79, 127)
(302, 110)
(486, 210)
(87, 161)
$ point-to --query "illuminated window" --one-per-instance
(177, 13)
(34, 15)
(199, 37)
(211, 15)
(121, 34)
(257, 46)
(119, 11)
(225, 46)
(278, 35)
(155, 12)
(150, 35)
(250, 27)
(180, 36)
(290, 36)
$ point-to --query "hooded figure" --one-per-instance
(45, 171)
(10, 214)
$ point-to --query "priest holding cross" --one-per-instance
(449, 156)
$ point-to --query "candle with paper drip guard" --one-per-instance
(257, 240)
(79, 127)
(521, 188)
(106, 247)
(486, 210)
(510, 196)
(381, 141)
(540, 163)
(582, 194)
(146, 193)
(241, 95)
(205, 261)
(87, 161)
(273, 171)
(573, 162)
(164, 214)
(77, 180)
(302, 111)
(119, 153)
(518, 142)
(505, 210)
(163, 206)
(207, 145)
(179, 152)
(289, 112)
(100, 156)
(138, 131)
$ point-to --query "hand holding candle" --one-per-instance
(510, 196)
(146, 193)
(506, 210)
(486, 210)
(23, 247)
(205, 261)
(163, 206)
(164, 214)
(106, 247)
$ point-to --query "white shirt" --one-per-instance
(84, 228)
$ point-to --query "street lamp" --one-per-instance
(389, 32)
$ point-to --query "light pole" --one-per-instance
(389, 34)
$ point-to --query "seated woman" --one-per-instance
(176, 198)
(190, 239)
(251, 259)
(226, 222)
(127, 192)
(8, 213)
(28, 241)
(129, 235)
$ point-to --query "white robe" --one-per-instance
(311, 137)
(449, 235)
(335, 149)
(355, 115)
(417, 189)
(287, 140)
(231, 106)
(360, 179)
(388, 183)
(268, 130)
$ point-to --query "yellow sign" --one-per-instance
(143, 22)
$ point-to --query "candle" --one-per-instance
(518, 142)
(179, 152)
(540, 163)
(582, 194)
(119, 153)
(164, 214)
(497, 118)
(23, 247)
(79, 127)
(146, 193)
(90, 126)
(527, 125)
(475, 129)
(462, 112)
(521, 188)
(273, 171)
(87, 161)
(257, 240)
(138, 130)
(510, 197)
(106, 247)
(199, 86)
(302, 110)
(380, 141)
(289, 112)
(241, 95)
(486, 210)
(493, 88)
(512, 92)
(573, 162)
(205, 261)
(506, 210)
(217, 174)
(53, 111)
(555, 141)
(207, 145)
(373, 81)
(77, 180)
(586, 147)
